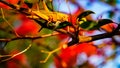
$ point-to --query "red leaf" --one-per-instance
(12, 1)
(72, 18)
(9, 1)
(68, 56)
(27, 27)
(4, 6)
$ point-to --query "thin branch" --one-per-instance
(107, 35)
(8, 4)
(82, 39)
(17, 53)
(29, 37)
(14, 7)
(5, 56)
(3, 16)
(49, 54)
(54, 51)
(100, 36)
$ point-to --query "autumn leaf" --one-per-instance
(68, 56)
(27, 27)
(109, 27)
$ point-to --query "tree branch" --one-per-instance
(107, 35)
(82, 39)
(29, 37)
(100, 36)
(14, 7)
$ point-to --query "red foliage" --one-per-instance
(4, 6)
(68, 56)
(19, 61)
(62, 36)
(27, 27)
(73, 18)
(12, 1)
(9, 1)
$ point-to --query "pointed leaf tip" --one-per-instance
(104, 21)
(84, 14)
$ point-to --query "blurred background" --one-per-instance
(107, 56)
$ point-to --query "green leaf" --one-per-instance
(92, 25)
(111, 2)
(29, 4)
(63, 24)
(84, 14)
(102, 22)
(89, 25)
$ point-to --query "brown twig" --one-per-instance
(28, 37)
(95, 37)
